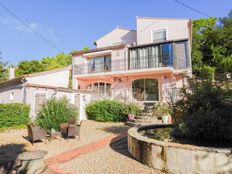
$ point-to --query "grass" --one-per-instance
(4, 129)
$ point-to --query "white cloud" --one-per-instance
(45, 31)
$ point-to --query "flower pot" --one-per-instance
(165, 119)
(130, 117)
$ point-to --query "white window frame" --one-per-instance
(163, 28)
(38, 92)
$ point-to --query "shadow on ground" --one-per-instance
(8, 156)
(115, 129)
(120, 146)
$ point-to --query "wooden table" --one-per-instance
(53, 135)
(32, 162)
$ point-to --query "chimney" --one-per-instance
(11, 72)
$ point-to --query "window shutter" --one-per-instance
(159, 35)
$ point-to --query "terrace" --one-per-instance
(172, 54)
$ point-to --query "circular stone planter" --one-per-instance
(177, 158)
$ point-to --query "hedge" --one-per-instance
(110, 110)
(14, 115)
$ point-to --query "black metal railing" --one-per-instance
(142, 62)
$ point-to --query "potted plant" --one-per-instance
(163, 110)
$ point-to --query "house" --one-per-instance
(34, 89)
(140, 65)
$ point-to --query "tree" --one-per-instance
(212, 43)
(3, 69)
(28, 67)
(47, 63)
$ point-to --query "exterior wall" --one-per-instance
(31, 92)
(18, 91)
(175, 28)
(118, 35)
(121, 87)
(58, 79)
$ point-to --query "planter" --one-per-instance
(130, 117)
(177, 158)
(165, 119)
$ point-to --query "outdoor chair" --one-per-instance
(70, 129)
(36, 133)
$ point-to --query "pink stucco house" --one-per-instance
(136, 64)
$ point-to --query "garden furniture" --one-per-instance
(36, 133)
(70, 129)
(55, 134)
(32, 162)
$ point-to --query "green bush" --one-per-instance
(14, 115)
(54, 112)
(111, 110)
(161, 108)
(132, 108)
(206, 111)
(106, 110)
(206, 73)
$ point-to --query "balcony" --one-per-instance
(168, 54)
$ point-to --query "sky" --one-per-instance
(74, 24)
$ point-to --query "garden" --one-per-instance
(201, 130)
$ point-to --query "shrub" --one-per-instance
(54, 112)
(161, 108)
(206, 111)
(106, 110)
(207, 73)
(111, 110)
(132, 108)
(14, 115)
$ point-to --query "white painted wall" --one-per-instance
(176, 28)
(56, 78)
(31, 92)
(18, 94)
(116, 36)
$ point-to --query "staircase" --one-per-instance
(145, 117)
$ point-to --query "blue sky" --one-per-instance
(75, 24)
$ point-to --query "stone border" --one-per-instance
(177, 158)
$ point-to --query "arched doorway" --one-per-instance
(145, 89)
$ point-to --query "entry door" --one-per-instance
(40, 98)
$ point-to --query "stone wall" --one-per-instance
(178, 158)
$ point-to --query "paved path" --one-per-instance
(108, 160)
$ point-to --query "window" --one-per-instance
(160, 55)
(11, 96)
(99, 64)
(159, 35)
(145, 89)
(181, 56)
(167, 58)
(40, 98)
(100, 89)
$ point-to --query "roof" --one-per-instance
(157, 43)
(12, 81)
(115, 47)
(23, 78)
(158, 18)
(123, 28)
(55, 88)
(47, 72)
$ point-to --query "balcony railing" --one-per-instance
(123, 64)
(171, 54)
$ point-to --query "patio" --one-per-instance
(95, 144)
